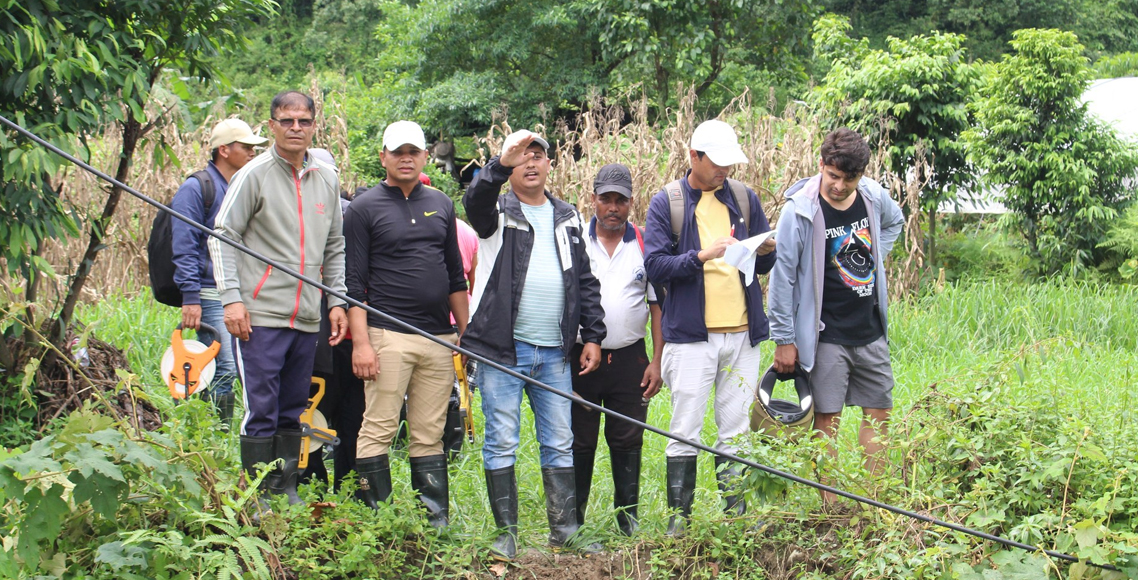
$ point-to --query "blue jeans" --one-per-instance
(213, 314)
(502, 407)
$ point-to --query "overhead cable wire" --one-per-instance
(533, 382)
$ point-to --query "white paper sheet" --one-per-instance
(742, 255)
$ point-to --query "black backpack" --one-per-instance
(160, 248)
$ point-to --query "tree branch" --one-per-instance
(130, 133)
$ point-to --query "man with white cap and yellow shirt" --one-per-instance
(231, 146)
(713, 319)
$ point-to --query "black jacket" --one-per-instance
(505, 241)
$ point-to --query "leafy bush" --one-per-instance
(136, 498)
(981, 250)
(1062, 173)
(1122, 243)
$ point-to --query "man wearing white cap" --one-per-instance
(231, 146)
(403, 259)
(713, 317)
(533, 292)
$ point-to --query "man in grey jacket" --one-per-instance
(827, 291)
(285, 204)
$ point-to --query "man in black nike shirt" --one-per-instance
(403, 259)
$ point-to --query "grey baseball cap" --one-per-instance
(613, 177)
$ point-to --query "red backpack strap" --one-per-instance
(639, 238)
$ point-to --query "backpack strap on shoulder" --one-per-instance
(208, 191)
(742, 200)
(639, 237)
(675, 193)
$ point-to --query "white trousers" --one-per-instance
(726, 362)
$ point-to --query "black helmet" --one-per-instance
(772, 416)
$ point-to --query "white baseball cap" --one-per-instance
(516, 136)
(234, 131)
(402, 133)
(719, 141)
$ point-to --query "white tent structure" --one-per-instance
(1113, 101)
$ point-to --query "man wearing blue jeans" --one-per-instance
(533, 292)
(231, 147)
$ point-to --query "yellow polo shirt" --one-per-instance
(724, 307)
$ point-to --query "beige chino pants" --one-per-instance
(414, 366)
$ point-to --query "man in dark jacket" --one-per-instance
(231, 147)
(533, 291)
(713, 315)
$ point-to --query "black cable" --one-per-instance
(613, 414)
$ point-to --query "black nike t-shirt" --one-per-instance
(849, 307)
(402, 256)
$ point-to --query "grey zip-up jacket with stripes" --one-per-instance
(289, 216)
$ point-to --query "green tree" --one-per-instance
(1104, 25)
(662, 42)
(1062, 172)
(912, 97)
(451, 63)
(71, 68)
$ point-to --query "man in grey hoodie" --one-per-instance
(285, 204)
(827, 291)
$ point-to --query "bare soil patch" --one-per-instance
(63, 387)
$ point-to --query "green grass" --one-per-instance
(1063, 353)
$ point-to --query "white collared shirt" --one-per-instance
(624, 287)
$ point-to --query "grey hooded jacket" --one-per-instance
(795, 285)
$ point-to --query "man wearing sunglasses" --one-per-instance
(285, 204)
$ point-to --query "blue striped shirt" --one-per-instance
(543, 296)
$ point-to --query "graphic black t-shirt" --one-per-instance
(849, 307)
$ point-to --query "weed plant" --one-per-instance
(1015, 406)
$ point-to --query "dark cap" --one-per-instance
(613, 177)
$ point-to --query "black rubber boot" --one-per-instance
(502, 489)
(626, 489)
(286, 446)
(560, 504)
(224, 404)
(727, 473)
(561, 509)
(681, 492)
(375, 480)
(583, 468)
(254, 451)
(429, 480)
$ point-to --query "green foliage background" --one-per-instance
(1015, 400)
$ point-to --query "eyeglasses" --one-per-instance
(287, 123)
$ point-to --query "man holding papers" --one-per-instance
(713, 316)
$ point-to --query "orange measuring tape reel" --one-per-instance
(187, 364)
